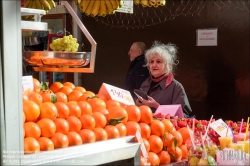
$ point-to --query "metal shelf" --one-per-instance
(89, 154)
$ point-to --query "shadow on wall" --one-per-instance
(220, 88)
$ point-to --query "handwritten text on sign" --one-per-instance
(207, 37)
(116, 93)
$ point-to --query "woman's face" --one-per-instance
(157, 66)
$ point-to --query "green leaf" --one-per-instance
(53, 98)
(44, 86)
(172, 156)
(175, 143)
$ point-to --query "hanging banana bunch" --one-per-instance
(98, 7)
(40, 4)
(150, 3)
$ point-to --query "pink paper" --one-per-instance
(172, 110)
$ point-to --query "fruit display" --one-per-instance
(150, 3)
(66, 43)
(61, 115)
(40, 4)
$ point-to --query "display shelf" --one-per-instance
(35, 25)
(96, 153)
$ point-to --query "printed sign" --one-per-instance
(127, 7)
(172, 110)
(206, 37)
(143, 148)
(27, 84)
(221, 128)
(116, 93)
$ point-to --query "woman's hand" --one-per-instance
(150, 102)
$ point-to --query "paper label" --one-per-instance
(206, 37)
(172, 110)
(117, 94)
(27, 84)
(220, 127)
(143, 149)
(127, 7)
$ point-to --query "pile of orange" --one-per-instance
(80, 116)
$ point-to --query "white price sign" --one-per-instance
(206, 37)
(116, 93)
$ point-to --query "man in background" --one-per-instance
(137, 73)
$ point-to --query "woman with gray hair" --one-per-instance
(160, 86)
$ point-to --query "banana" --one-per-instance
(89, 8)
(33, 5)
(83, 5)
(144, 3)
(152, 2)
(103, 9)
(45, 4)
(77, 2)
(96, 8)
(136, 2)
(51, 3)
(27, 2)
(114, 4)
(38, 4)
(109, 7)
(162, 2)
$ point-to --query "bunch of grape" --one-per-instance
(67, 43)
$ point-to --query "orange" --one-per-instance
(69, 84)
(62, 109)
(36, 85)
(157, 127)
(100, 119)
(169, 127)
(62, 125)
(177, 153)
(134, 113)
(164, 157)
(48, 110)
(168, 140)
(79, 88)
(32, 130)
(74, 123)
(146, 114)
(122, 129)
(184, 133)
(74, 109)
(61, 97)
(48, 96)
(87, 135)
(85, 96)
(101, 96)
(66, 90)
(156, 144)
(24, 117)
(117, 112)
(56, 86)
(112, 103)
(178, 137)
(25, 97)
(74, 95)
(74, 138)
(100, 134)
(31, 111)
(96, 102)
(184, 151)
(102, 110)
(145, 130)
(142, 161)
(36, 97)
(92, 94)
(153, 159)
(47, 126)
(132, 127)
(45, 144)
(60, 140)
(112, 131)
(88, 121)
(31, 145)
(85, 107)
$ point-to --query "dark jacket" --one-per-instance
(174, 93)
(136, 74)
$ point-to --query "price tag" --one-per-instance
(117, 94)
(220, 127)
(143, 149)
(27, 84)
